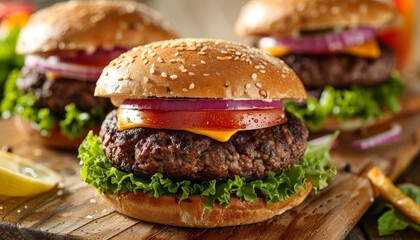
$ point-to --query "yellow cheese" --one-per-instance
(219, 135)
(369, 49)
(277, 51)
(125, 122)
(52, 76)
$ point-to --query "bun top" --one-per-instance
(88, 25)
(279, 17)
(198, 68)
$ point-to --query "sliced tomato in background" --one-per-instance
(7, 9)
(401, 39)
(212, 120)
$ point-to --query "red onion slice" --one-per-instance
(325, 139)
(52, 64)
(321, 43)
(388, 136)
(170, 104)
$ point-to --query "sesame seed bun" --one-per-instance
(192, 213)
(198, 68)
(279, 17)
(88, 25)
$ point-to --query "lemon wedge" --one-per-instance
(22, 177)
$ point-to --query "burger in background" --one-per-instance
(66, 47)
(201, 137)
(333, 47)
(12, 18)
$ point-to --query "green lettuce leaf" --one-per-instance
(72, 124)
(359, 102)
(9, 60)
(99, 173)
(393, 220)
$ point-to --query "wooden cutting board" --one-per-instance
(73, 211)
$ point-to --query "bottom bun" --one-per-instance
(353, 124)
(191, 212)
(55, 139)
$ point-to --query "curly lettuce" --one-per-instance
(99, 173)
(73, 123)
(359, 102)
(9, 60)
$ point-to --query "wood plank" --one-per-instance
(73, 211)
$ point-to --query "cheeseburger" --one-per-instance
(200, 137)
(66, 47)
(333, 47)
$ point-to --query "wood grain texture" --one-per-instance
(72, 210)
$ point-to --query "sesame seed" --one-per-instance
(335, 10)
(163, 74)
(191, 48)
(201, 53)
(18, 211)
(262, 71)
(177, 54)
(152, 69)
(193, 65)
(173, 77)
(145, 79)
(227, 84)
(159, 59)
(224, 52)
(258, 85)
(204, 48)
(184, 70)
(263, 93)
(185, 90)
(191, 74)
(145, 61)
(192, 85)
(247, 86)
(172, 61)
(206, 74)
(89, 217)
(224, 58)
(254, 76)
(152, 54)
(202, 62)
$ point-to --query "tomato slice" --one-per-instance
(206, 120)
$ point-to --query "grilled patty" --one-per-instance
(185, 155)
(56, 94)
(341, 70)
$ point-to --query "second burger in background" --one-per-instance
(333, 47)
(66, 47)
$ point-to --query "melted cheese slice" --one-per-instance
(125, 123)
(369, 49)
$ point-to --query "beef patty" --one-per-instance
(56, 94)
(341, 70)
(184, 155)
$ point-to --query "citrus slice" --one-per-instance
(394, 195)
(22, 177)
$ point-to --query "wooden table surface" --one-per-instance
(73, 211)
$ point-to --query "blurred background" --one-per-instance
(215, 19)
